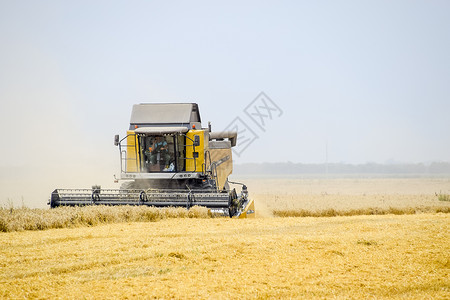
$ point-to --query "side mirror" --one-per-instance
(196, 140)
(116, 140)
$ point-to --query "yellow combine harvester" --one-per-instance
(168, 159)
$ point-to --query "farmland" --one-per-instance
(196, 256)
(317, 194)
(351, 257)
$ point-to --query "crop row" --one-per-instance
(19, 219)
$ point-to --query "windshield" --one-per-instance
(157, 153)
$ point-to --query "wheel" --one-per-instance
(232, 203)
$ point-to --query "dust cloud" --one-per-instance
(46, 151)
(44, 146)
(262, 208)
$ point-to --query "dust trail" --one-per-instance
(45, 144)
(261, 207)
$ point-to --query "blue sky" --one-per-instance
(370, 79)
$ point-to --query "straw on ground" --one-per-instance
(386, 256)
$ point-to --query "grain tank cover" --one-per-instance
(165, 114)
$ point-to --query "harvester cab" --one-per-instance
(168, 159)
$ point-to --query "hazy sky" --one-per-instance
(367, 80)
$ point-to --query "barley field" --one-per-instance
(139, 252)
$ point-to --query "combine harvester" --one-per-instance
(168, 160)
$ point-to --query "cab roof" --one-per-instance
(165, 114)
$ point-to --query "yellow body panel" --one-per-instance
(249, 211)
(132, 157)
(197, 164)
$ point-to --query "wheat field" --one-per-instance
(342, 257)
(343, 194)
(19, 219)
(173, 253)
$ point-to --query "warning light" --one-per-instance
(193, 126)
(135, 126)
